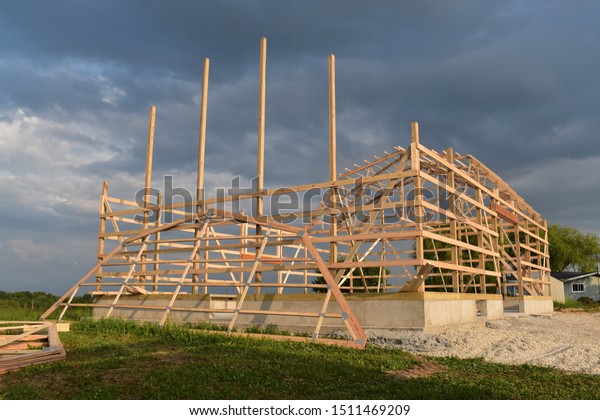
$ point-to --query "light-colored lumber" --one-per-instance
(20, 350)
(405, 211)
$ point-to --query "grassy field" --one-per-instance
(28, 306)
(113, 359)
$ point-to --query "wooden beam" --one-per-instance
(350, 320)
(504, 213)
(149, 153)
(260, 172)
(418, 281)
(332, 121)
(102, 229)
(200, 194)
(202, 139)
(332, 158)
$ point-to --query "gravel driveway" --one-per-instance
(565, 340)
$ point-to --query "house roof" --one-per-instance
(566, 276)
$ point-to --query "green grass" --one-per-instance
(113, 359)
(585, 304)
(26, 314)
(19, 314)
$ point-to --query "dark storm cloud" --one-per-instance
(153, 33)
(512, 82)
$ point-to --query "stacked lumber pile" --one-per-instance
(28, 343)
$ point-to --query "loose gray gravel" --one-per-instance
(565, 340)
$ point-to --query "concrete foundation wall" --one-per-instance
(154, 315)
(533, 305)
(422, 310)
(491, 309)
(440, 313)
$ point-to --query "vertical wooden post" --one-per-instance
(418, 195)
(382, 268)
(527, 252)
(157, 244)
(543, 250)
(481, 256)
(260, 173)
(279, 254)
(102, 230)
(517, 230)
(202, 140)
(148, 181)
(546, 257)
(332, 120)
(452, 223)
(149, 153)
(243, 240)
(200, 172)
(333, 162)
(305, 271)
(495, 241)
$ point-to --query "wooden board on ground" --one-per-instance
(28, 343)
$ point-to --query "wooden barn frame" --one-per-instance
(421, 220)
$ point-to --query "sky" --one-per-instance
(514, 83)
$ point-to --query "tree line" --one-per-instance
(34, 300)
(571, 249)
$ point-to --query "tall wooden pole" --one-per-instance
(332, 120)
(148, 181)
(101, 238)
(149, 153)
(202, 141)
(332, 160)
(200, 172)
(260, 172)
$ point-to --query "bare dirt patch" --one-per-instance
(565, 340)
(422, 370)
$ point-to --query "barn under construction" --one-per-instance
(413, 238)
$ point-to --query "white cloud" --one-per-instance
(29, 251)
(41, 157)
(111, 94)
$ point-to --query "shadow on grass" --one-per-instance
(119, 360)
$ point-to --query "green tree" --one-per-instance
(573, 249)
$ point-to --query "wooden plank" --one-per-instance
(505, 213)
(326, 341)
(15, 355)
(354, 327)
(268, 193)
(149, 153)
(202, 137)
(416, 283)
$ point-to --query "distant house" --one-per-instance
(556, 287)
(576, 285)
